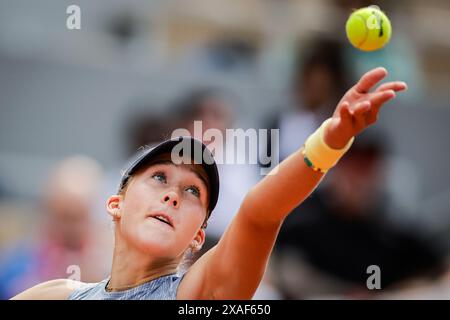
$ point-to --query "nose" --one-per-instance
(172, 199)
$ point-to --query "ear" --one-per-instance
(113, 206)
(198, 240)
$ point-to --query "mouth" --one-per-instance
(162, 217)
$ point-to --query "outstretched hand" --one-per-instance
(359, 107)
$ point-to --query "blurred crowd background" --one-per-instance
(75, 105)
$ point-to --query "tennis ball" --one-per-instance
(368, 29)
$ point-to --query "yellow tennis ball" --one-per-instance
(368, 29)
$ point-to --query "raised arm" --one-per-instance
(234, 268)
(276, 195)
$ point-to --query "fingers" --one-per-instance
(362, 108)
(345, 111)
(369, 79)
(395, 86)
(361, 112)
(356, 116)
(379, 98)
(365, 112)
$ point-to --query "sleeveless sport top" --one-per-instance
(162, 288)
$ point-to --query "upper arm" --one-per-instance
(51, 290)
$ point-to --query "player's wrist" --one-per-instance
(318, 154)
(335, 139)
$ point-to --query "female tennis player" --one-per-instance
(161, 210)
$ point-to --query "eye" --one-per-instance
(194, 190)
(160, 176)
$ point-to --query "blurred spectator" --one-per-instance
(68, 237)
(327, 243)
(211, 106)
(433, 286)
(319, 80)
(147, 128)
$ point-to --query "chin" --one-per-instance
(154, 243)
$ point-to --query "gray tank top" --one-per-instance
(162, 288)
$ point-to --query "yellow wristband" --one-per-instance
(318, 155)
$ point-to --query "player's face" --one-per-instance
(178, 193)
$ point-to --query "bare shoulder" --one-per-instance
(59, 289)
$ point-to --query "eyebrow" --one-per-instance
(200, 177)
